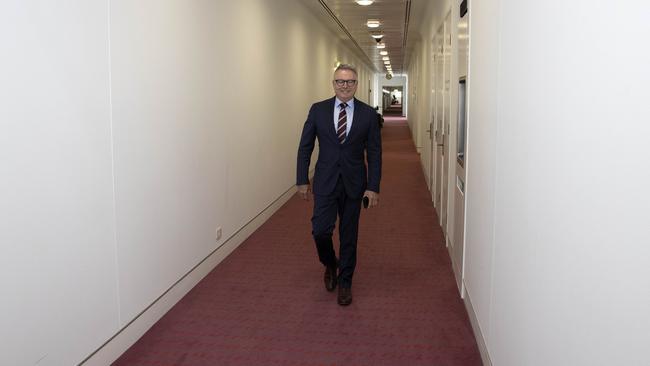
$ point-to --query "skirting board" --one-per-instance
(457, 275)
(480, 340)
(127, 336)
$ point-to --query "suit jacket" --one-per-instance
(336, 159)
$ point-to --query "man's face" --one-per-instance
(345, 84)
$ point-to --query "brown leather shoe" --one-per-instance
(345, 296)
(330, 278)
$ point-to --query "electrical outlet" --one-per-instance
(218, 233)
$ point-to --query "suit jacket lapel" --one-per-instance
(330, 118)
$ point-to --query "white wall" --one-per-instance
(557, 240)
(130, 132)
(480, 164)
(57, 267)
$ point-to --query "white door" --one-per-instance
(438, 118)
(425, 117)
(432, 123)
(446, 106)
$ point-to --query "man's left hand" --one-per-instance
(373, 198)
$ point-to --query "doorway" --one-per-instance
(392, 100)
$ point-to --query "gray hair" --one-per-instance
(347, 67)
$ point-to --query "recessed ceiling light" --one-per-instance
(376, 35)
(364, 2)
(383, 53)
(381, 45)
(385, 58)
(373, 23)
(386, 62)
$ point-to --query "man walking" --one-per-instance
(346, 128)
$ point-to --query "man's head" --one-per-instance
(345, 82)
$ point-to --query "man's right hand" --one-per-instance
(303, 191)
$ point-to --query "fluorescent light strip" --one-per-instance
(373, 23)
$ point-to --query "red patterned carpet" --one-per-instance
(266, 304)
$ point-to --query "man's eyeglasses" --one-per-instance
(340, 82)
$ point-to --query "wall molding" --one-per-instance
(478, 334)
(129, 334)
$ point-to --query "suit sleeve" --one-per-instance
(305, 149)
(373, 149)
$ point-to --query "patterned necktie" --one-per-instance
(343, 123)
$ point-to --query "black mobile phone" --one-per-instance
(366, 201)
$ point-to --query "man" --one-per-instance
(345, 128)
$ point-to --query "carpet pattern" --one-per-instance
(266, 304)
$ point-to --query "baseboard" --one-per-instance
(127, 336)
(456, 270)
(478, 334)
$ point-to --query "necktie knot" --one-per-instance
(343, 105)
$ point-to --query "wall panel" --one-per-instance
(57, 267)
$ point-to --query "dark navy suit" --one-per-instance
(340, 178)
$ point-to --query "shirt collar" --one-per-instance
(337, 102)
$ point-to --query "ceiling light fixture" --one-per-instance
(376, 35)
(385, 58)
(373, 23)
(381, 45)
(364, 2)
(383, 53)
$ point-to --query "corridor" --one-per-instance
(265, 304)
(148, 163)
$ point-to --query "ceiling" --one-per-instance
(350, 19)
